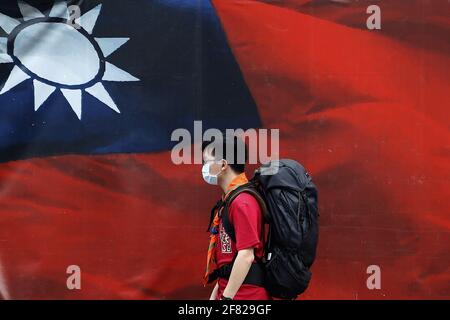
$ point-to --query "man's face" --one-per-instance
(215, 165)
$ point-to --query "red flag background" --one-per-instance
(365, 111)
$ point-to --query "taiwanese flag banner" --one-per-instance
(92, 90)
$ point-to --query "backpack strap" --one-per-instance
(247, 188)
(255, 275)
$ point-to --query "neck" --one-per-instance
(226, 179)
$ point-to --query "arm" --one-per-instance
(214, 292)
(240, 270)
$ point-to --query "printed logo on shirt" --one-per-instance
(225, 241)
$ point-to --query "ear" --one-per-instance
(224, 164)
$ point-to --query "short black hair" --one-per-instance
(236, 161)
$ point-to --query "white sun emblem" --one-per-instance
(57, 54)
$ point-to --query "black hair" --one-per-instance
(235, 161)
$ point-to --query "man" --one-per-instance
(246, 217)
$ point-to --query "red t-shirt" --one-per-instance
(246, 217)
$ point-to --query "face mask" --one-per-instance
(208, 177)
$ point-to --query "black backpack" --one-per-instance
(288, 199)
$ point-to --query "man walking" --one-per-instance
(242, 255)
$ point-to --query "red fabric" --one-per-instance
(246, 217)
(367, 113)
(112, 215)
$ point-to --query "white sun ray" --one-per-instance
(7, 23)
(87, 21)
(3, 45)
(59, 10)
(113, 73)
(74, 99)
(109, 45)
(99, 92)
(29, 12)
(4, 56)
(41, 93)
(17, 76)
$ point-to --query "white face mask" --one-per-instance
(208, 177)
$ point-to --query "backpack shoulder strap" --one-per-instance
(247, 188)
